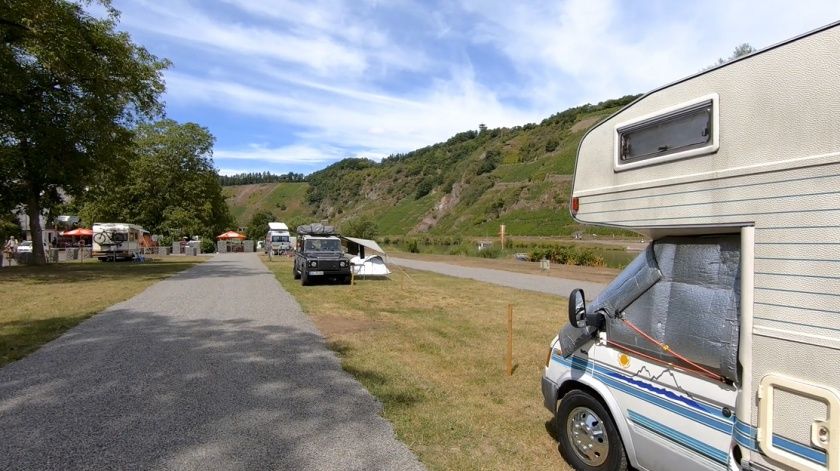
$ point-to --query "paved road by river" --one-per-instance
(214, 368)
(542, 284)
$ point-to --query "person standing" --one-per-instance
(9, 248)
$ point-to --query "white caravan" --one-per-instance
(277, 238)
(719, 347)
(116, 240)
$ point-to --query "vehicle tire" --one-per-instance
(347, 279)
(295, 273)
(304, 278)
(589, 439)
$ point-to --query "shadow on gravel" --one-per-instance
(133, 390)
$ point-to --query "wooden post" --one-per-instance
(502, 235)
(510, 340)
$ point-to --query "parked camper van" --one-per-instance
(117, 241)
(277, 238)
(719, 346)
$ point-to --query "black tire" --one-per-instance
(295, 272)
(589, 439)
(304, 278)
(347, 279)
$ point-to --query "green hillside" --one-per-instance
(468, 185)
(285, 200)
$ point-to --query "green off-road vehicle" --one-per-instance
(319, 255)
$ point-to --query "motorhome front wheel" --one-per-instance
(588, 437)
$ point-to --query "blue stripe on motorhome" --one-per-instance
(634, 388)
(710, 422)
(747, 436)
(720, 456)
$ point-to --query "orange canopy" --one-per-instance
(231, 235)
(80, 232)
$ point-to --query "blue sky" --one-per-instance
(289, 85)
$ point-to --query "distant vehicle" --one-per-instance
(24, 247)
(718, 347)
(117, 241)
(319, 255)
(277, 239)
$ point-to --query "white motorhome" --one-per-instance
(277, 239)
(719, 347)
(116, 240)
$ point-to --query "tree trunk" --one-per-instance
(33, 209)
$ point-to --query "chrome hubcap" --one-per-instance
(585, 430)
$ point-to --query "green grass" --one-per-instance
(402, 217)
(517, 172)
(41, 303)
(535, 222)
(432, 349)
(284, 200)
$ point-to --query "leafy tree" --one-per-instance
(491, 160)
(424, 188)
(362, 227)
(167, 184)
(258, 226)
(260, 177)
(739, 51)
(72, 88)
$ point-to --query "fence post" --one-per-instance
(509, 359)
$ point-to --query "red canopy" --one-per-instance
(231, 235)
(80, 232)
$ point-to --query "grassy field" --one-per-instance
(37, 304)
(432, 349)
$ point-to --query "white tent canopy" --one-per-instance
(367, 243)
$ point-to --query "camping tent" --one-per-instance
(373, 265)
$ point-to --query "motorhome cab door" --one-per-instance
(719, 347)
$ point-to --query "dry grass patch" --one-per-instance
(432, 349)
(37, 304)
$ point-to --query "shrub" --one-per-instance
(413, 246)
(423, 189)
(490, 252)
(208, 245)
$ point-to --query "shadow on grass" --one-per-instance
(136, 389)
(223, 266)
(74, 273)
(386, 390)
(20, 338)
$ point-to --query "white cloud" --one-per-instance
(360, 123)
(339, 78)
(299, 154)
(607, 48)
(186, 24)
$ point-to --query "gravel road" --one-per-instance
(214, 368)
(542, 284)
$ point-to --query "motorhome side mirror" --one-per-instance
(577, 308)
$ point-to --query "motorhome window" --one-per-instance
(119, 237)
(682, 130)
(276, 238)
